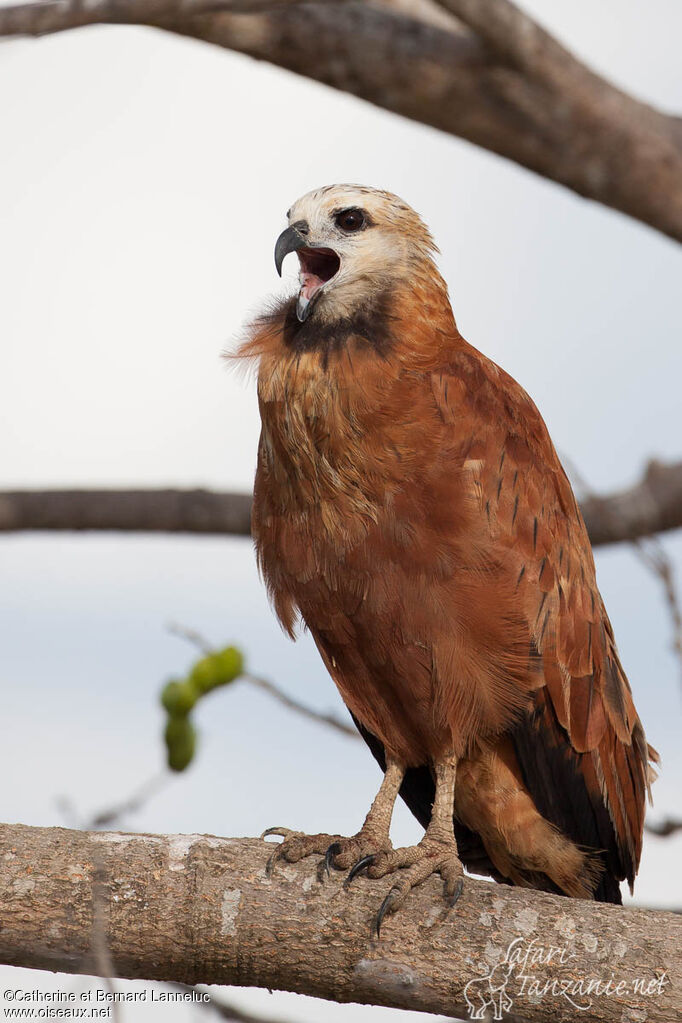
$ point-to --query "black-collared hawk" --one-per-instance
(411, 509)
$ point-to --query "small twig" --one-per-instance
(100, 947)
(202, 644)
(112, 815)
(301, 708)
(192, 636)
(108, 817)
(653, 554)
(224, 1009)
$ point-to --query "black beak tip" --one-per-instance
(289, 241)
(279, 259)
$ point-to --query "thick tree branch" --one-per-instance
(198, 909)
(137, 511)
(44, 17)
(507, 85)
(512, 33)
(605, 146)
(653, 505)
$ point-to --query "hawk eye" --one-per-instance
(350, 220)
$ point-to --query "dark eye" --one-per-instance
(350, 220)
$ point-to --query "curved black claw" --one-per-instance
(277, 852)
(333, 850)
(282, 832)
(385, 908)
(362, 864)
(454, 898)
(270, 865)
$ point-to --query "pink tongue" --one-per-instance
(309, 285)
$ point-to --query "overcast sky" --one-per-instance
(143, 182)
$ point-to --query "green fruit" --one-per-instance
(229, 663)
(204, 675)
(178, 698)
(181, 738)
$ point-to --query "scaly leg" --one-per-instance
(372, 838)
(435, 854)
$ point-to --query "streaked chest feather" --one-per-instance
(317, 452)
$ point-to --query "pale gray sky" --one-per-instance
(143, 181)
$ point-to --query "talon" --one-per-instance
(269, 866)
(456, 894)
(282, 832)
(362, 864)
(333, 850)
(385, 908)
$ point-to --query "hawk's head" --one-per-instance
(352, 242)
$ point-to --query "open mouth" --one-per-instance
(317, 267)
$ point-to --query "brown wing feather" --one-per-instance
(583, 708)
(410, 506)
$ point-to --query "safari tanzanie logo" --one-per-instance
(517, 978)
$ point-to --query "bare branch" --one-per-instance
(653, 505)
(668, 826)
(508, 87)
(513, 34)
(202, 644)
(44, 17)
(225, 1010)
(112, 815)
(199, 909)
(145, 511)
(607, 147)
(301, 708)
(654, 555)
(193, 636)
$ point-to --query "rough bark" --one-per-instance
(199, 909)
(497, 80)
(654, 505)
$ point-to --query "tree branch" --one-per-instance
(508, 86)
(653, 505)
(665, 828)
(138, 511)
(44, 17)
(513, 34)
(198, 909)
(301, 708)
(266, 686)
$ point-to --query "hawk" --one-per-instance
(411, 510)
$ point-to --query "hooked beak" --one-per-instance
(289, 241)
(317, 267)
